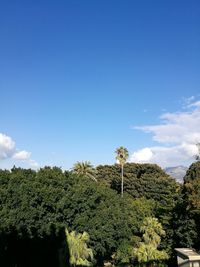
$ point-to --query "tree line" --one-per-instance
(61, 218)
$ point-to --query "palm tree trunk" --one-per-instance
(122, 186)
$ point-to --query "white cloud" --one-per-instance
(22, 155)
(7, 146)
(8, 150)
(165, 156)
(177, 136)
(142, 155)
(195, 104)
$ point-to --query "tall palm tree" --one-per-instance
(80, 254)
(122, 156)
(84, 168)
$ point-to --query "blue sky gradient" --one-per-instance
(76, 76)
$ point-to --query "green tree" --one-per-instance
(184, 225)
(31, 231)
(141, 180)
(124, 253)
(80, 254)
(122, 156)
(147, 251)
(36, 206)
(85, 168)
(191, 188)
(151, 182)
(191, 204)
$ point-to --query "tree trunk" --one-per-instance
(122, 187)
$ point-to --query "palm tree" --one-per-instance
(152, 230)
(84, 168)
(80, 254)
(122, 156)
(147, 251)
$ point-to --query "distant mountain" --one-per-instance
(177, 172)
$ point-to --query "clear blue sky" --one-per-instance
(75, 76)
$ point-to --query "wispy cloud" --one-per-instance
(8, 150)
(21, 155)
(176, 135)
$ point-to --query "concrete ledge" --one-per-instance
(187, 257)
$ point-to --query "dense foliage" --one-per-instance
(151, 182)
(140, 180)
(37, 206)
(188, 223)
